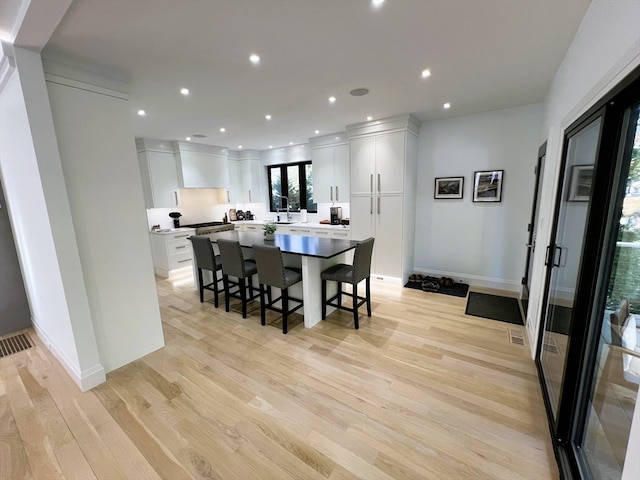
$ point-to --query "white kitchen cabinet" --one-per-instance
(202, 166)
(171, 251)
(331, 169)
(246, 178)
(159, 173)
(383, 186)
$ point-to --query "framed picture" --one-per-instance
(580, 186)
(487, 186)
(448, 187)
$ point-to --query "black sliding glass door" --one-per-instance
(588, 355)
(564, 255)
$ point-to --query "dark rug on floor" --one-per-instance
(456, 290)
(494, 307)
(561, 322)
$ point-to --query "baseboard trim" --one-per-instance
(85, 379)
(475, 280)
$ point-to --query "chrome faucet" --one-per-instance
(288, 212)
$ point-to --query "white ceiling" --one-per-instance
(483, 54)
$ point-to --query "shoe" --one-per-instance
(448, 282)
(442, 281)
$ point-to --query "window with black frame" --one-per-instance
(292, 182)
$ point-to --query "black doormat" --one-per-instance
(456, 290)
(494, 307)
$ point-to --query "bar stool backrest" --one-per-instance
(362, 260)
(270, 266)
(232, 258)
(203, 250)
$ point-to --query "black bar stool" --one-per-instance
(206, 260)
(234, 264)
(273, 273)
(353, 274)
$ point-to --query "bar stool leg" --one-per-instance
(368, 285)
(225, 281)
(200, 284)
(355, 305)
(263, 307)
(215, 289)
(285, 309)
(339, 298)
(243, 296)
(324, 299)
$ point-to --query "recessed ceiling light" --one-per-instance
(337, 138)
(188, 139)
(446, 106)
(268, 117)
(426, 73)
(317, 132)
(255, 59)
(377, 3)
(184, 91)
(359, 92)
(369, 118)
(239, 146)
(223, 129)
(270, 146)
(332, 99)
(142, 113)
(290, 143)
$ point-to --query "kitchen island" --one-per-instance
(312, 254)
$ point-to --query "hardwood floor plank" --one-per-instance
(419, 391)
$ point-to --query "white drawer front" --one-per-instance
(180, 260)
(345, 235)
(182, 247)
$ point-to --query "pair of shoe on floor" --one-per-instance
(446, 282)
(443, 281)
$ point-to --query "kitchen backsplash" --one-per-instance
(215, 213)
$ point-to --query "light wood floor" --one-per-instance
(421, 391)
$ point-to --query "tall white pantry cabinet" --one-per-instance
(383, 192)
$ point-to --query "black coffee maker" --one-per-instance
(176, 219)
(336, 215)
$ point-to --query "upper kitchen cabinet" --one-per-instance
(246, 177)
(201, 166)
(159, 173)
(331, 168)
(383, 191)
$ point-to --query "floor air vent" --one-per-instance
(516, 337)
(14, 344)
(550, 347)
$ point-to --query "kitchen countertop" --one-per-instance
(293, 224)
(167, 231)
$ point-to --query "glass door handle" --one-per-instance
(546, 256)
(559, 249)
(529, 245)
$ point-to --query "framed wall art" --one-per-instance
(580, 186)
(448, 187)
(487, 186)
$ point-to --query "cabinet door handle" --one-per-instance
(181, 246)
(181, 236)
(378, 204)
(371, 205)
(378, 183)
(331, 189)
(250, 201)
(175, 198)
(371, 183)
(228, 197)
(337, 196)
(184, 261)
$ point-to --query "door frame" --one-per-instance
(531, 228)
(581, 351)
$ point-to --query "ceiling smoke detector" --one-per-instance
(359, 92)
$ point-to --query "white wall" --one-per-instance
(41, 220)
(479, 243)
(99, 160)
